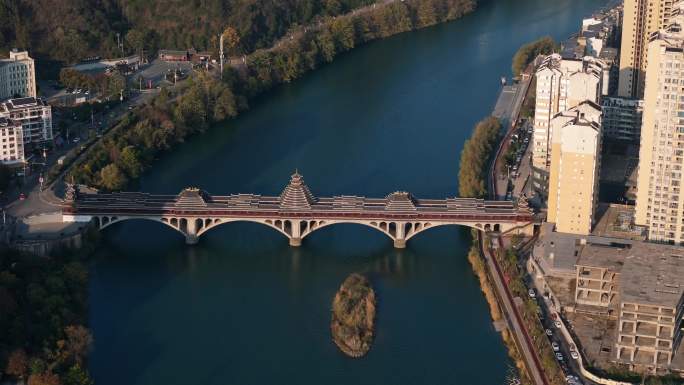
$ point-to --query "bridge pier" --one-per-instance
(191, 239)
(400, 243)
(295, 242)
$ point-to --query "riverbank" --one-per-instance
(171, 118)
(480, 270)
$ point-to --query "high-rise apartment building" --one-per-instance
(17, 76)
(574, 170)
(561, 85)
(621, 118)
(660, 202)
(11, 142)
(641, 18)
(34, 115)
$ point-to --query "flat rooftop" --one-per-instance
(611, 256)
(653, 274)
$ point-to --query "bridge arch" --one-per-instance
(280, 225)
(386, 227)
(105, 221)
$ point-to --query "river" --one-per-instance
(242, 307)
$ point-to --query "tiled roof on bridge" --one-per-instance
(192, 197)
(296, 195)
(348, 203)
(400, 201)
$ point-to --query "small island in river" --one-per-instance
(353, 316)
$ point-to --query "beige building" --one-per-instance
(12, 142)
(660, 203)
(641, 18)
(574, 169)
(17, 76)
(561, 85)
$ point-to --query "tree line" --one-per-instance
(71, 30)
(172, 117)
(475, 157)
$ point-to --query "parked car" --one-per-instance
(574, 355)
(77, 139)
(549, 332)
(559, 357)
(557, 324)
(555, 346)
(532, 294)
(22, 196)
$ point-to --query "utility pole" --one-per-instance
(221, 52)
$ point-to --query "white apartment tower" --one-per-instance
(34, 115)
(12, 142)
(561, 85)
(17, 76)
(660, 202)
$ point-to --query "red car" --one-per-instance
(22, 196)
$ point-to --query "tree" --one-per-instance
(528, 52)
(47, 378)
(231, 40)
(77, 376)
(17, 364)
(129, 161)
(225, 106)
(112, 178)
(77, 343)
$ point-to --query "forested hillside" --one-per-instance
(69, 30)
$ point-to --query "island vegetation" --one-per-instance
(172, 117)
(528, 52)
(353, 316)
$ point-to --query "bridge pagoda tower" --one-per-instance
(296, 197)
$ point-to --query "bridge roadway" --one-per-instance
(296, 213)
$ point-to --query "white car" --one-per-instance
(574, 355)
(555, 346)
(559, 357)
(532, 294)
(557, 324)
(549, 332)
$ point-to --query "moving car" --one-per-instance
(559, 357)
(555, 346)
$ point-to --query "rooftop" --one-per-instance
(611, 256)
(654, 274)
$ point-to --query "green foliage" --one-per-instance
(172, 118)
(43, 302)
(529, 51)
(477, 151)
(112, 178)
